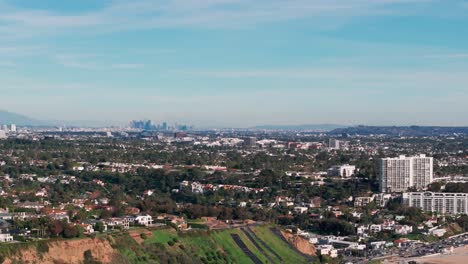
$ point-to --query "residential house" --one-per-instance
(388, 225)
(300, 210)
(327, 250)
(377, 244)
(362, 201)
(403, 229)
(88, 229)
(145, 220)
(361, 230)
(6, 238)
(376, 228)
(179, 222)
(438, 232)
(118, 222)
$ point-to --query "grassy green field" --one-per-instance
(276, 244)
(161, 236)
(169, 246)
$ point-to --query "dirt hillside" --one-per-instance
(300, 243)
(71, 251)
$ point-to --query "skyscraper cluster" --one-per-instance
(10, 128)
(150, 126)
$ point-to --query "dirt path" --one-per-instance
(246, 250)
(265, 245)
(254, 242)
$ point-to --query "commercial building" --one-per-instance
(341, 171)
(333, 143)
(250, 141)
(443, 203)
(399, 174)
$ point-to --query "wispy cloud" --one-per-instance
(447, 56)
(352, 77)
(90, 62)
(124, 15)
(18, 50)
(72, 61)
(127, 66)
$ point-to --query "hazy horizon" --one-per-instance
(236, 63)
(214, 124)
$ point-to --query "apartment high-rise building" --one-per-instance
(443, 203)
(333, 143)
(250, 141)
(13, 128)
(399, 174)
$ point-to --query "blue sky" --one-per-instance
(237, 62)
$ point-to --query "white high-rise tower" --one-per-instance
(399, 174)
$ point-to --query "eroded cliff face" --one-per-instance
(300, 244)
(67, 251)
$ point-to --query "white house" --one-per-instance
(300, 210)
(6, 238)
(328, 250)
(378, 244)
(145, 220)
(403, 229)
(376, 228)
(438, 232)
(399, 217)
(117, 221)
(363, 201)
(6, 216)
(357, 246)
(342, 171)
(388, 225)
(361, 230)
(88, 229)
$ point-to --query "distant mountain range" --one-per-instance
(8, 118)
(401, 130)
(18, 119)
(306, 127)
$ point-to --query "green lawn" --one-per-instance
(219, 247)
(161, 236)
(224, 240)
(264, 233)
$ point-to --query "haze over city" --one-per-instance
(236, 62)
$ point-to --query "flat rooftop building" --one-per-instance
(401, 173)
(442, 203)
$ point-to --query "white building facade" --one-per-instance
(333, 143)
(442, 203)
(6, 238)
(399, 174)
(341, 171)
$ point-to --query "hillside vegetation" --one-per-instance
(259, 244)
